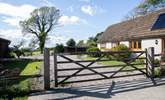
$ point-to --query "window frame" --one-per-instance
(134, 44)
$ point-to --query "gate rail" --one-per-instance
(148, 63)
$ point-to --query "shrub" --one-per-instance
(94, 49)
(59, 48)
(121, 47)
(157, 62)
(159, 72)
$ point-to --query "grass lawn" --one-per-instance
(112, 62)
(35, 53)
(20, 87)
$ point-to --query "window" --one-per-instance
(135, 44)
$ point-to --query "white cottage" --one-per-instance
(138, 33)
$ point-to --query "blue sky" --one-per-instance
(79, 20)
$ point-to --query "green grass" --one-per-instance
(111, 63)
(32, 68)
(18, 88)
(104, 62)
(36, 53)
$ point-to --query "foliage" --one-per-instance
(20, 87)
(92, 41)
(59, 48)
(121, 47)
(157, 62)
(159, 72)
(94, 49)
(81, 43)
(71, 43)
(17, 49)
(40, 23)
(147, 6)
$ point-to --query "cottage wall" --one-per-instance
(152, 43)
(145, 44)
(125, 43)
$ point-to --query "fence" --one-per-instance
(148, 64)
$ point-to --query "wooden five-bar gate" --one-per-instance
(147, 70)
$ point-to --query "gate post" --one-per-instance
(150, 62)
(55, 69)
(46, 69)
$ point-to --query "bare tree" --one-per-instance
(41, 22)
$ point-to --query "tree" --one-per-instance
(59, 48)
(41, 22)
(92, 41)
(71, 43)
(17, 48)
(145, 7)
(81, 43)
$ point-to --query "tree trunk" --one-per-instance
(42, 45)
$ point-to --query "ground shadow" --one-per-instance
(102, 90)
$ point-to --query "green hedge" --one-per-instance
(94, 49)
(121, 47)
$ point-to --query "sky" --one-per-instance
(80, 19)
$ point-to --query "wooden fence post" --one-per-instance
(146, 54)
(55, 69)
(150, 62)
(46, 69)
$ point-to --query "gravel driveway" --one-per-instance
(128, 88)
(86, 71)
(141, 89)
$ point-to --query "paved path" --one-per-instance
(142, 89)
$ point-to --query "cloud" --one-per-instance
(65, 20)
(54, 39)
(14, 35)
(87, 9)
(13, 14)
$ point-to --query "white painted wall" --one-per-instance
(125, 43)
(109, 45)
(145, 44)
(98, 45)
(151, 43)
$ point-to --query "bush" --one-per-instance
(59, 48)
(121, 47)
(94, 49)
(157, 62)
(159, 72)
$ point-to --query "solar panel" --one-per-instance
(160, 23)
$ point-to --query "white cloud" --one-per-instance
(14, 35)
(87, 9)
(13, 14)
(54, 39)
(14, 21)
(64, 20)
